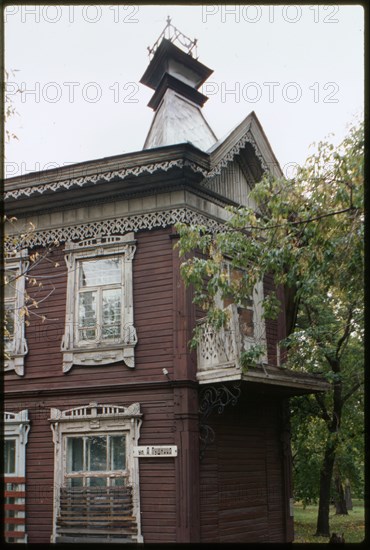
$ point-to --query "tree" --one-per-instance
(14, 243)
(307, 234)
(17, 239)
(308, 432)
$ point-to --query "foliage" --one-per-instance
(9, 109)
(308, 234)
(15, 241)
(308, 434)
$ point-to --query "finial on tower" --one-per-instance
(171, 33)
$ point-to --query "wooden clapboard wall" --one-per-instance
(241, 475)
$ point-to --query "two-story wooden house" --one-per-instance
(114, 430)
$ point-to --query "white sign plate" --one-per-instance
(158, 451)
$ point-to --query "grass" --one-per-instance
(353, 525)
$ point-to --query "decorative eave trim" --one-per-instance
(104, 176)
(119, 226)
(235, 150)
(124, 173)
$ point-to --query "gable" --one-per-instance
(248, 143)
(234, 182)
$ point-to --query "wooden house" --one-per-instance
(114, 430)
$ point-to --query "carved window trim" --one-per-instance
(100, 352)
(16, 348)
(16, 427)
(95, 419)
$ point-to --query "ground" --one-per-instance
(353, 525)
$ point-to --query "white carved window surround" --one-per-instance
(94, 459)
(16, 428)
(99, 325)
(16, 265)
(249, 312)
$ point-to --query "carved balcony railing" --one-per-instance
(219, 351)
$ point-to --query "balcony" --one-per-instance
(219, 357)
(219, 351)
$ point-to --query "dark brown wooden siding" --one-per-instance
(157, 477)
(153, 319)
(241, 475)
(234, 507)
(44, 385)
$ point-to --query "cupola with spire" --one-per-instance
(175, 76)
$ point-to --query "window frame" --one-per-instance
(109, 474)
(96, 419)
(16, 427)
(99, 351)
(259, 324)
(99, 291)
(16, 347)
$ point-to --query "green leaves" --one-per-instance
(307, 235)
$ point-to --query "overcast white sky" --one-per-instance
(300, 68)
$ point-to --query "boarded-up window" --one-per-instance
(245, 306)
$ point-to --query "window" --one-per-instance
(9, 456)
(10, 294)
(99, 299)
(99, 318)
(245, 306)
(16, 428)
(96, 460)
(248, 311)
(14, 300)
(97, 495)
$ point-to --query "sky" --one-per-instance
(299, 67)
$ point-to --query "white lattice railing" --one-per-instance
(220, 349)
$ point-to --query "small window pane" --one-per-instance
(118, 452)
(246, 322)
(9, 456)
(97, 453)
(75, 482)
(9, 322)
(97, 481)
(111, 313)
(100, 272)
(118, 482)
(9, 286)
(87, 315)
(75, 454)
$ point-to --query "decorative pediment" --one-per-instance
(94, 410)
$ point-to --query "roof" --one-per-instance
(179, 120)
(116, 174)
